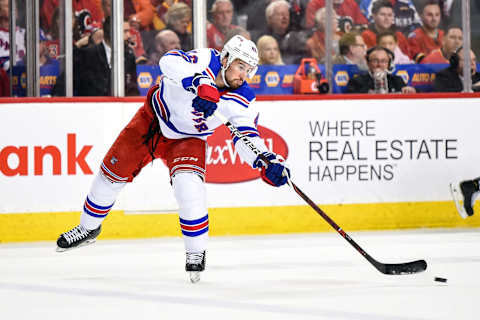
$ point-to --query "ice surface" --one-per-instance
(297, 276)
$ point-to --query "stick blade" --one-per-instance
(402, 268)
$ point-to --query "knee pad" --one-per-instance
(190, 193)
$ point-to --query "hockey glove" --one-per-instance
(206, 100)
(275, 172)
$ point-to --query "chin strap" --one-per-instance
(222, 72)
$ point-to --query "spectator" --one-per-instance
(383, 18)
(316, 43)
(451, 78)
(165, 41)
(429, 37)
(136, 12)
(450, 11)
(379, 62)
(48, 8)
(90, 38)
(43, 54)
(178, 18)
(238, 30)
(291, 43)
(406, 15)
(268, 51)
(96, 36)
(222, 14)
(451, 41)
(160, 8)
(94, 75)
(135, 41)
(298, 9)
(352, 50)
(343, 8)
(389, 40)
(5, 37)
(139, 13)
(278, 20)
(256, 18)
(83, 26)
(48, 67)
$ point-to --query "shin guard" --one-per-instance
(190, 193)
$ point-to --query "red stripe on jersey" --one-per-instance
(236, 96)
(210, 73)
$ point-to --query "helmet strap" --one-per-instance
(223, 70)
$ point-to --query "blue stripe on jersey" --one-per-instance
(179, 53)
(169, 124)
(247, 131)
(243, 95)
(159, 106)
(236, 100)
(245, 91)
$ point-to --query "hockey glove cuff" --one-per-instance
(206, 100)
(275, 172)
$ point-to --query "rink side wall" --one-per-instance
(370, 162)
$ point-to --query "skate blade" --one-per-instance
(86, 243)
(194, 276)
(457, 197)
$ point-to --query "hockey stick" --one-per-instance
(385, 268)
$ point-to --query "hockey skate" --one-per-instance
(462, 196)
(194, 265)
(77, 237)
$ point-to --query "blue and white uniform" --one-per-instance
(186, 93)
(172, 101)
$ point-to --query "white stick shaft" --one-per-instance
(247, 142)
(237, 133)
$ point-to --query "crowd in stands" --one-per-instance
(374, 35)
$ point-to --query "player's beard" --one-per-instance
(234, 83)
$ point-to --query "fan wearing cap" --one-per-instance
(173, 124)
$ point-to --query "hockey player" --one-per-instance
(465, 191)
(173, 124)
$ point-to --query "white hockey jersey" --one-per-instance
(172, 101)
(5, 46)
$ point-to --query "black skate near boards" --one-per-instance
(463, 195)
(77, 237)
(194, 265)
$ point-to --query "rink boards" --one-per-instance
(369, 163)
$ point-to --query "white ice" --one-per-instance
(297, 276)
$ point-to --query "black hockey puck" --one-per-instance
(440, 279)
